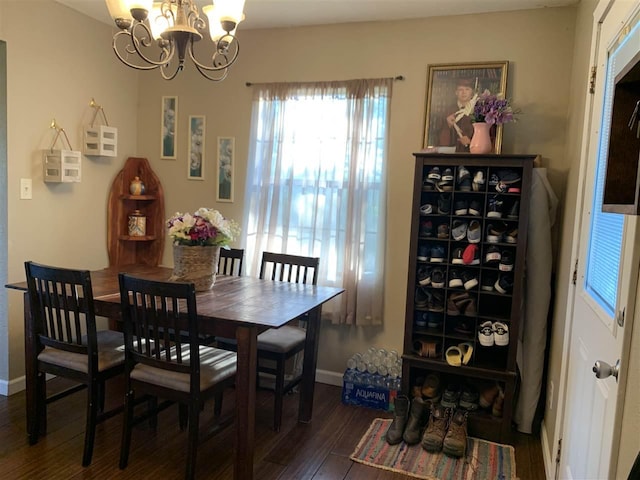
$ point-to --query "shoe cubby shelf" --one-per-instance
(466, 263)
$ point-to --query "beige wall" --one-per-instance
(54, 72)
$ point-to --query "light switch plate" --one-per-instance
(26, 189)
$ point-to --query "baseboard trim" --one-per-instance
(329, 378)
(11, 387)
(549, 463)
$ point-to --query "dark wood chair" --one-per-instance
(63, 325)
(276, 346)
(230, 261)
(164, 365)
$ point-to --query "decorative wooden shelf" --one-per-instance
(123, 248)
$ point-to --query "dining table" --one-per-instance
(239, 307)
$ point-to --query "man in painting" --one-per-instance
(457, 129)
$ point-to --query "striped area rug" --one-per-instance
(483, 460)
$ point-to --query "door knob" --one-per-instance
(603, 369)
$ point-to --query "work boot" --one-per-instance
(455, 441)
(418, 417)
(436, 429)
(400, 415)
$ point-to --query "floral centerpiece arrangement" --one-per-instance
(205, 227)
(492, 109)
(196, 242)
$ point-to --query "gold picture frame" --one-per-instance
(447, 124)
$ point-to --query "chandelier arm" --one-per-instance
(220, 53)
(135, 47)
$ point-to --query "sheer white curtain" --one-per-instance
(316, 186)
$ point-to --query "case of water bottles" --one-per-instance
(372, 379)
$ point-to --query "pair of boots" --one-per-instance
(408, 421)
(446, 432)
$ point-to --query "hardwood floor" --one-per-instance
(319, 450)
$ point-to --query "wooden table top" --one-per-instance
(244, 299)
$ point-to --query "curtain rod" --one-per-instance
(398, 77)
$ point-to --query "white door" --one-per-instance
(607, 275)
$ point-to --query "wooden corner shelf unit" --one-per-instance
(123, 248)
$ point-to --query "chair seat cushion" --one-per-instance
(215, 365)
(110, 353)
(281, 340)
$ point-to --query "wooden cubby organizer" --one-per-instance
(489, 365)
(124, 249)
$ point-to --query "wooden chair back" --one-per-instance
(230, 261)
(62, 310)
(289, 268)
(152, 313)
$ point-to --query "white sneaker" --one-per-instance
(485, 334)
(478, 181)
(500, 334)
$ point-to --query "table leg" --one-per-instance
(247, 343)
(31, 375)
(309, 365)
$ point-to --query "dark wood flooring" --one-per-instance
(319, 450)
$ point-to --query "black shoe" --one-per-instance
(400, 416)
(506, 262)
(492, 256)
(469, 280)
(488, 281)
(418, 417)
(461, 207)
(469, 398)
(444, 204)
(424, 276)
(437, 254)
(504, 284)
(495, 232)
(451, 396)
(455, 280)
(456, 258)
(437, 278)
(475, 208)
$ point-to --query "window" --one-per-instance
(317, 187)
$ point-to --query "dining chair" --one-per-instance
(169, 366)
(276, 346)
(230, 261)
(68, 344)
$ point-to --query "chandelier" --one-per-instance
(161, 34)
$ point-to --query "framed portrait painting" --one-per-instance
(226, 148)
(195, 168)
(168, 134)
(452, 90)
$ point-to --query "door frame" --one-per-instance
(600, 12)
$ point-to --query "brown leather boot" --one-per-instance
(400, 416)
(455, 441)
(436, 429)
(418, 417)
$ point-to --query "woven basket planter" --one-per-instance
(196, 265)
